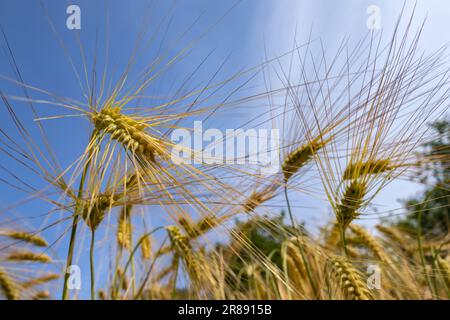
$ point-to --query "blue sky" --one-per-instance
(250, 29)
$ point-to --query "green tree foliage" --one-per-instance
(265, 235)
(434, 201)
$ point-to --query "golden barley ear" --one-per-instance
(124, 228)
(40, 280)
(29, 256)
(199, 228)
(299, 157)
(394, 235)
(102, 294)
(370, 242)
(94, 210)
(351, 202)
(122, 277)
(256, 198)
(26, 237)
(129, 132)
(332, 235)
(371, 167)
(444, 268)
(296, 262)
(8, 286)
(349, 279)
(252, 202)
(183, 248)
(146, 247)
(42, 295)
(333, 243)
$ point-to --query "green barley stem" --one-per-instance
(300, 245)
(91, 261)
(70, 255)
(75, 221)
(344, 241)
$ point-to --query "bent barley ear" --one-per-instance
(42, 295)
(351, 202)
(209, 222)
(179, 241)
(29, 256)
(349, 279)
(258, 196)
(8, 286)
(299, 157)
(370, 242)
(94, 210)
(26, 237)
(372, 167)
(146, 247)
(393, 234)
(183, 248)
(444, 268)
(40, 280)
(201, 227)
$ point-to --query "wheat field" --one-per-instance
(118, 217)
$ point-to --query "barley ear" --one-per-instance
(183, 248)
(299, 157)
(29, 256)
(124, 228)
(372, 167)
(444, 268)
(40, 280)
(41, 295)
(351, 202)
(370, 242)
(26, 237)
(128, 131)
(146, 247)
(349, 279)
(8, 286)
(94, 210)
